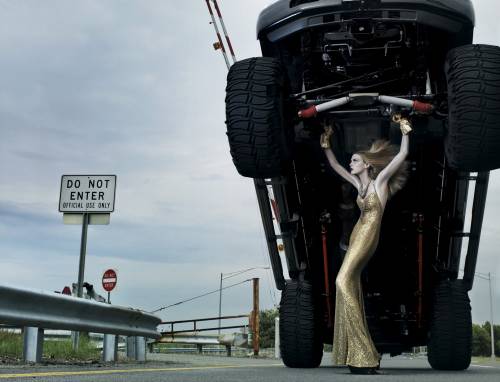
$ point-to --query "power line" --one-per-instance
(271, 290)
(270, 287)
(202, 295)
(237, 273)
(480, 275)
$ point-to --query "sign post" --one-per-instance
(86, 199)
(110, 349)
(109, 280)
(83, 252)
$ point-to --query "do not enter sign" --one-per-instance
(109, 280)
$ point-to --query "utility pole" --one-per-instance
(491, 321)
(227, 276)
(256, 323)
(220, 300)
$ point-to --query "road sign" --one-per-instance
(66, 291)
(109, 280)
(87, 193)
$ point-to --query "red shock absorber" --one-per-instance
(420, 261)
(326, 219)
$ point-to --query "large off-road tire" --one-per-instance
(301, 344)
(473, 139)
(450, 337)
(260, 137)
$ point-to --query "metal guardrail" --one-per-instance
(49, 310)
(40, 310)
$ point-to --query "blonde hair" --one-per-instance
(378, 157)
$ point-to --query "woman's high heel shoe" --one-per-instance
(363, 370)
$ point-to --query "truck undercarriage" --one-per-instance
(315, 54)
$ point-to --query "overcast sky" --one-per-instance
(134, 88)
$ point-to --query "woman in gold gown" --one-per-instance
(377, 174)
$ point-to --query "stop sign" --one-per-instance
(66, 291)
(109, 280)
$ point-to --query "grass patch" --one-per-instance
(11, 345)
(64, 350)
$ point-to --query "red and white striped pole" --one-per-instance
(224, 30)
(221, 45)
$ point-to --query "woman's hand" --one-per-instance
(405, 126)
(325, 137)
(404, 123)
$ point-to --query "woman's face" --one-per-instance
(357, 165)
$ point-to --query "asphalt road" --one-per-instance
(208, 368)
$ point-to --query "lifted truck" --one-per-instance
(353, 64)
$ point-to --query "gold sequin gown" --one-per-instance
(352, 343)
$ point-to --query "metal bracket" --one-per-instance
(480, 193)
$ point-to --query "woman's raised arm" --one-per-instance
(398, 160)
(339, 169)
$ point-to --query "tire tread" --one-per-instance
(255, 119)
(300, 326)
(450, 342)
(473, 139)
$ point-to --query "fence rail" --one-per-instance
(192, 336)
(202, 330)
(195, 321)
(204, 319)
